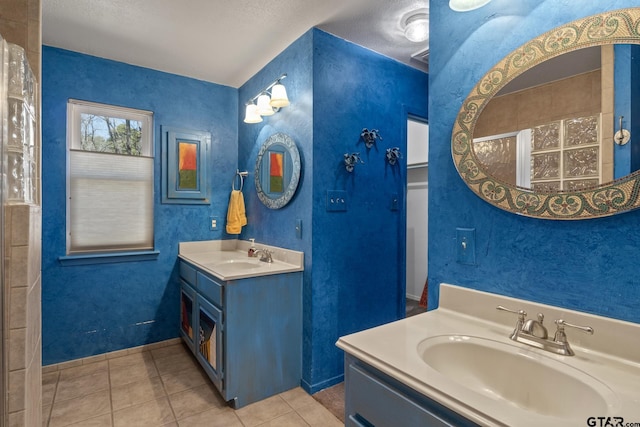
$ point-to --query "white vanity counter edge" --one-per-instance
(224, 259)
(611, 355)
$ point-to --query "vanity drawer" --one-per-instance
(373, 402)
(211, 289)
(188, 273)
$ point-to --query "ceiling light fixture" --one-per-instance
(267, 103)
(416, 27)
(466, 5)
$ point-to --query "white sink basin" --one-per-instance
(238, 264)
(520, 377)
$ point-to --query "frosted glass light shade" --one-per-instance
(466, 5)
(264, 108)
(417, 27)
(279, 96)
(251, 114)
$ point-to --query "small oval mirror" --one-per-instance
(277, 171)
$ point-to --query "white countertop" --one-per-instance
(224, 259)
(611, 355)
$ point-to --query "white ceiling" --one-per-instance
(221, 41)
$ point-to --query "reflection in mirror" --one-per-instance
(538, 142)
(550, 128)
(277, 171)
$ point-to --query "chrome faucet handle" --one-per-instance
(521, 313)
(519, 324)
(267, 255)
(561, 338)
(560, 335)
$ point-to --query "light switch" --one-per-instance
(213, 223)
(466, 245)
(336, 200)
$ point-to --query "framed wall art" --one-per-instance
(185, 154)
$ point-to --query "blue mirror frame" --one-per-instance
(277, 171)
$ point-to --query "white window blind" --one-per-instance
(110, 196)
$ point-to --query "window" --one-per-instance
(561, 155)
(109, 179)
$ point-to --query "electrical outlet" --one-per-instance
(466, 245)
(395, 203)
(213, 223)
(299, 228)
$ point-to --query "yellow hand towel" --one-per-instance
(236, 217)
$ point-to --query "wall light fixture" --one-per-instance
(266, 103)
(466, 5)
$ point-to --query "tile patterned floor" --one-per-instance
(162, 387)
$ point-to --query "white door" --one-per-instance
(417, 208)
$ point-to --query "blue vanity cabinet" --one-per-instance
(187, 313)
(374, 399)
(248, 332)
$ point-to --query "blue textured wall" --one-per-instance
(358, 255)
(337, 88)
(93, 309)
(585, 265)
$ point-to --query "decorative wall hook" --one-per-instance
(393, 154)
(350, 161)
(622, 136)
(369, 137)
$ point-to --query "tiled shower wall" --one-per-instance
(20, 24)
(22, 286)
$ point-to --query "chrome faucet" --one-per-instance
(534, 333)
(265, 255)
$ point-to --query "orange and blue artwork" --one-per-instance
(187, 165)
(276, 172)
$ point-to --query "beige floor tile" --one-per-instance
(79, 371)
(175, 382)
(46, 412)
(136, 393)
(154, 413)
(73, 387)
(49, 383)
(127, 360)
(122, 375)
(212, 418)
(170, 350)
(263, 411)
(82, 408)
(297, 397)
(291, 419)
(101, 421)
(175, 362)
(317, 415)
(194, 400)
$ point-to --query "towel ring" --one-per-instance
(240, 175)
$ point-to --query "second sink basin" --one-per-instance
(521, 377)
(238, 264)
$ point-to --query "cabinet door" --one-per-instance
(210, 341)
(187, 313)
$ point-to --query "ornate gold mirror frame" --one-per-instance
(619, 26)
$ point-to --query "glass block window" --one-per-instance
(566, 154)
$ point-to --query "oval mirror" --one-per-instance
(536, 134)
(277, 171)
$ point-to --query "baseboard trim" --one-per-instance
(110, 355)
(314, 388)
